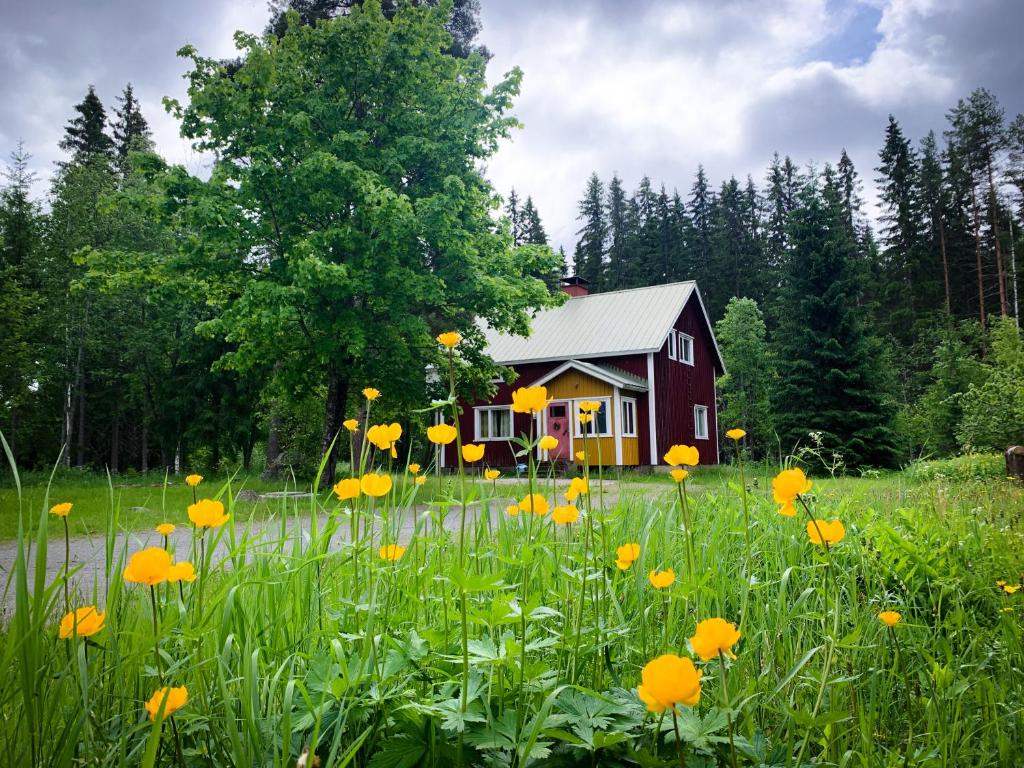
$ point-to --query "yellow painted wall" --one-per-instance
(574, 385)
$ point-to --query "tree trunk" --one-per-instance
(67, 426)
(977, 254)
(945, 264)
(115, 442)
(272, 471)
(144, 464)
(80, 384)
(1004, 304)
(334, 414)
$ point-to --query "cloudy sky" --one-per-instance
(626, 86)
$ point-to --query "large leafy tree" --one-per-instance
(746, 390)
(346, 220)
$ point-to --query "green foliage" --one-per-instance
(746, 389)
(993, 410)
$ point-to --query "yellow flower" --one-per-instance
(371, 394)
(441, 434)
(627, 555)
(181, 572)
(449, 339)
(472, 452)
(384, 436)
(347, 488)
(889, 618)
(580, 456)
(391, 552)
(350, 424)
(586, 418)
(548, 443)
(577, 486)
(193, 480)
(535, 503)
(679, 455)
(1000, 582)
(565, 515)
(420, 480)
(530, 399)
(83, 622)
(589, 406)
(375, 485)
(207, 513)
(512, 510)
(151, 566)
(786, 486)
(491, 474)
(414, 468)
(61, 510)
(822, 532)
(1010, 588)
(667, 681)
(714, 636)
(679, 474)
(165, 529)
(736, 434)
(176, 699)
(662, 579)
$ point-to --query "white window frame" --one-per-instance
(485, 411)
(672, 345)
(577, 429)
(680, 346)
(631, 403)
(696, 422)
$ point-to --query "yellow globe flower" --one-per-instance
(714, 636)
(472, 452)
(586, 418)
(530, 399)
(420, 480)
(823, 532)
(736, 434)
(565, 515)
(82, 622)
(535, 503)
(414, 468)
(61, 510)
(679, 455)
(512, 510)
(441, 434)
(391, 552)
(350, 424)
(679, 475)
(662, 579)
(589, 406)
(577, 487)
(1000, 582)
(151, 566)
(449, 339)
(1010, 588)
(176, 699)
(667, 681)
(181, 572)
(207, 513)
(375, 485)
(786, 486)
(193, 480)
(165, 529)
(384, 436)
(491, 474)
(347, 489)
(627, 555)
(889, 618)
(580, 456)
(548, 443)
(371, 394)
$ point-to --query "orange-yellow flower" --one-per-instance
(165, 529)
(193, 480)
(889, 618)
(589, 406)
(384, 436)
(150, 566)
(823, 532)
(714, 636)
(420, 480)
(414, 468)
(565, 515)
(350, 424)
(391, 552)
(346, 489)
(580, 456)
(662, 579)
(530, 399)
(371, 394)
(1010, 588)
(1000, 582)
(181, 572)
(83, 622)
(176, 699)
(449, 339)
(736, 434)
(627, 555)
(207, 513)
(491, 474)
(472, 452)
(512, 510)
(535, 503)
(375, 485)
(61, 510)
(586, 418)
(441, 434)
(577, 487)
(679, 474)
(548, 443)
(786, 486)
(667, 681)
(679, 455)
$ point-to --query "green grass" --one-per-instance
(529, 652)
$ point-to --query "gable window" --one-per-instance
(700, 422)
(671, 345)
(493, 423)
(599, 426)
(685, 349)
(628, 417)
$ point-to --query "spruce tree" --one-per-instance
(618, 236)
(515, 217)
(829, 381)
(931, 194)
(533, 229)
(700, 204)
(589, 256)
(131, 131)
(85, 135)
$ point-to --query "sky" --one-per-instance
(631, 87)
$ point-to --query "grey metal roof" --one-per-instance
(624, 322)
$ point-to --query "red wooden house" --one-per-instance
(648, 355)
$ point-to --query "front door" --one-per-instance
(558, 427)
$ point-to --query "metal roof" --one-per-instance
(631, 321)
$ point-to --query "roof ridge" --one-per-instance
(638, 288)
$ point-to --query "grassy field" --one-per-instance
(516, 641)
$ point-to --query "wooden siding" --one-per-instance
(575, 385)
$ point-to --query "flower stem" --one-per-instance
(728, 707)
(679, 741)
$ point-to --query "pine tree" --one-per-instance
(931, 193)
(85, 135)
(643, 266)
(515, 217)
(745, 390)
(618, 236)
(700, 204)
(589, 256)
(849, 191)
(131, 131)
(533, 229)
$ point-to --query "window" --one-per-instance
(494, 423)
(700, 422)
(671, 345)
(686, 349)
(628, 417)
(598, 426)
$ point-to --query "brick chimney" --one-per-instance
(575, 285)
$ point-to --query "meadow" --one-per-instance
(383, 628)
